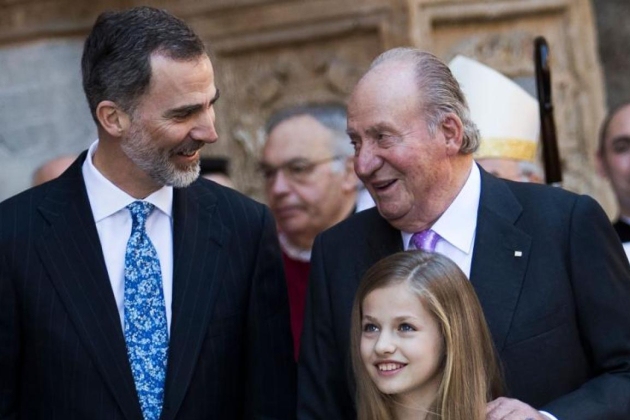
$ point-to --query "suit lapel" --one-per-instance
(500, 256)
(199, 238)
(71, 254)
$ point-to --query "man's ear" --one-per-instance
(112, 118)
(453, 131)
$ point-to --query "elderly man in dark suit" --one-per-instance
(129, 288)
(546, 264)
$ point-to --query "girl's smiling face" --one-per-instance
(402, 345)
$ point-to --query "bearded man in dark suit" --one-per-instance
(547, 267)
(129, 287)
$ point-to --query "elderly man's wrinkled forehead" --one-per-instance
(386, 83)
(388, 72)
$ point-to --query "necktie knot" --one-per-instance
(140, 210)
(425, 240)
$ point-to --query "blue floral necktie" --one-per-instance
(146, 330)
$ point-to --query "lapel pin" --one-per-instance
(518, 253)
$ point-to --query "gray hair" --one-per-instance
(331, 115)
(440, 91)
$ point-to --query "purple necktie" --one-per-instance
(425, 240)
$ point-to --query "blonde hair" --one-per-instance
(471, 375)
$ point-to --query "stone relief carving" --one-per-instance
(510, 52)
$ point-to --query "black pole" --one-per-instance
(551, 156)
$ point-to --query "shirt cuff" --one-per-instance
(549, 416)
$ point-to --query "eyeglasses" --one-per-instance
(297, 170)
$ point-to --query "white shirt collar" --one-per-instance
(107, 199)
(458, 223)
(292, 251)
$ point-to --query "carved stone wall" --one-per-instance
(614, 37)
(272, 53)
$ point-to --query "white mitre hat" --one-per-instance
(506, 115)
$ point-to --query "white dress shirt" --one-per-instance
(626, 245)
(113, 223)
(457, 227)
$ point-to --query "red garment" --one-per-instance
(296, 273)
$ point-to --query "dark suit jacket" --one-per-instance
(62, 349)
(559, 314)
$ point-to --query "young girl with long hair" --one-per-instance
(420, 345)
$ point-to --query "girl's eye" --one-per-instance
(406, 327)
(370, 328)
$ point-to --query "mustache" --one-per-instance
(189, 147)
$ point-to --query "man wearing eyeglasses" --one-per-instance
(310, 186)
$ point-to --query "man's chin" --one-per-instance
(292, 227)
(182, 179)
(394, 217)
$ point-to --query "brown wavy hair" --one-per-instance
(471, 375)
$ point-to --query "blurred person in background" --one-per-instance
(310, 186)
(51, 169)
(613, 163)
